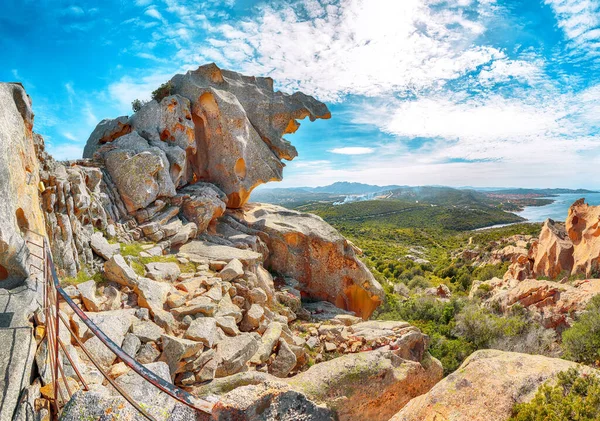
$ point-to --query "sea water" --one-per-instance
(559, 209)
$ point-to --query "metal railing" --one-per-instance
(53, 293)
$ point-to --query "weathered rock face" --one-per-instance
(485, 387)
(306, 248)
(563, 250)
(553, 253)
(219, 126)
(368, 385)
(553, 303)
(74, 204)
(268, 402)
(239, 124)
(582, 227)
(19, 183)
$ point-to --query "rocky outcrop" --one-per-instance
(268, 401)
(19, 184)
(553, 252)
(370, 385)
(217, 126)
(304, 247)
(554, 304)
(582, 228)
(485, 387)
(563, 250)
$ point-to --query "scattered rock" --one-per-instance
(203, 329)
(234, 269)
(285, 361)
(102, 247)
(233, 353)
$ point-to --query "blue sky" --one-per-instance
(456, 92)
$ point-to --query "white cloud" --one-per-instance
(355, 46)
(127, 89)
(153, 13)
(321, 163)
(352, 150)
(69, 136)
(74, 11)
(580, 22)
(70, 91)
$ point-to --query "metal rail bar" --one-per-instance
(170, 389)
(106, 376)
(53, 292)
(73, 365)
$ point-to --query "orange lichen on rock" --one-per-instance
(304, 247)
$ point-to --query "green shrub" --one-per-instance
(137, 105)
(162, 91)
(575, 396)
(582, 341)
(481, 327)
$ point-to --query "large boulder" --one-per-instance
(268, 402)
(486, 387)
(370, 385)
(19, 182)
(213, 125)
(106, 131)
(140, 171)
(553, 252)
(306, 248)
(239, 123)
(582, 228)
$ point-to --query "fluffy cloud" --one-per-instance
(423, 69)
(580, 22)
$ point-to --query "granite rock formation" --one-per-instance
(217, 126)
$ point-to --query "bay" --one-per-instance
(559, 209)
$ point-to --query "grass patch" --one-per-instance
(133, 249)
(81, 277)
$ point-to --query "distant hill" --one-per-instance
(523, 191)
(343, 187)
(336, 192)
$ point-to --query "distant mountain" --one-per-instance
(336, 192)
(343, 187)
(345, 192)
(523, 191)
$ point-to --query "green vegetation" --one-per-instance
(137, 105)
(433, 238)
(574, 396)
(137, 263)
(459, 327)
(81, 277)
(401, 213)
(582, 341)
(162, 91)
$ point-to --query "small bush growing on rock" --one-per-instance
(162, 91)
(137, 105)
(574, 396)
(581, 342)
